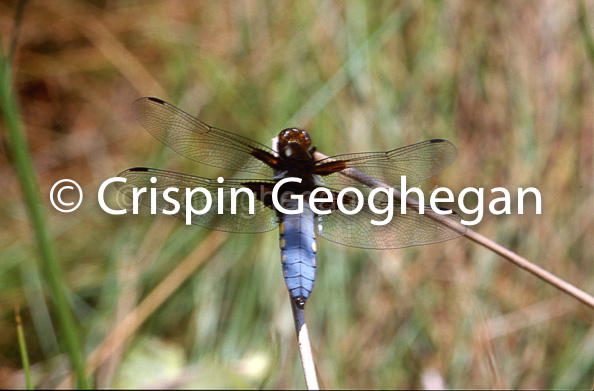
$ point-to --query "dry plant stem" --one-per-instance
(153, 300)
(309, 368)
(477, 238)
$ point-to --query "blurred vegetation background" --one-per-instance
(509, 83)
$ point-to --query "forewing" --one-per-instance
(264, 219)
(417, 162)
(198, 141)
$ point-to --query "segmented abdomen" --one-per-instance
(298, 252)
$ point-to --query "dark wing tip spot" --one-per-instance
(453, 212)
(157, 100)
(437, 140)
(138, 169)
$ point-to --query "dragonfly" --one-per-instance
(292, 158)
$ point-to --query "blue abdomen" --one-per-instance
(298, 252)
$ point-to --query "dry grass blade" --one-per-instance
(151, 302)
(121, 58)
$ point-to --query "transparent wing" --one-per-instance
(404, 230)
(264, 218)
(417, 162)
(198, 141)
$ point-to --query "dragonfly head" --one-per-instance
(293, 142)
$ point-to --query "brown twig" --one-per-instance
(476, 237)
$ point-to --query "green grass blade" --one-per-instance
(584, 24)
(26, 175)
(23, 350)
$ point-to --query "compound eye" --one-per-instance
(294, 136)
(285, 135)
(306, 140)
